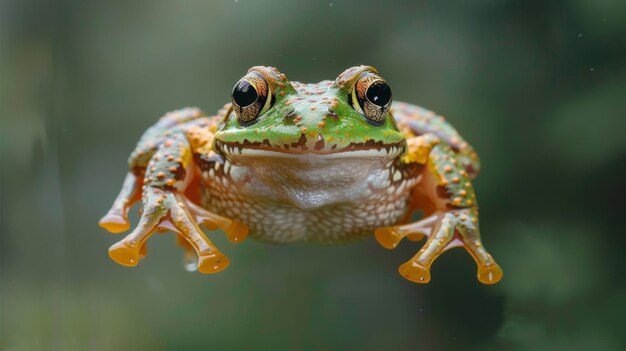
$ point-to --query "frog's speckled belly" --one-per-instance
(290, 202)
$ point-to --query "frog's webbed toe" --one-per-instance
(164, 209)
(116, 220)
(390, 237)
(445, 230)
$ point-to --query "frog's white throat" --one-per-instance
(309, 181)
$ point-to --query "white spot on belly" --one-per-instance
(396, 176)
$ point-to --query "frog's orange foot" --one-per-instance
(444, 230)
(164, 210)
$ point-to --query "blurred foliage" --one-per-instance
(536, 86)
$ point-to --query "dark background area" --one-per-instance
(538, 87)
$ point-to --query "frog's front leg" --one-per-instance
(168, 174)
(116, 220)
(446, 195)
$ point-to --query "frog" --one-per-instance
(288, 162)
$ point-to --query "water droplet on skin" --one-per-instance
(191, 267)
(190, 262)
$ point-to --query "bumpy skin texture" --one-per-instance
(304, 165)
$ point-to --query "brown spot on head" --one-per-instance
(319, 145)
(443, 192)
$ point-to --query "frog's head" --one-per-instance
(273, 117)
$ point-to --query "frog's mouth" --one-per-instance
(368, 149)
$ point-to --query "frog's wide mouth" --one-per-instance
(368, 149)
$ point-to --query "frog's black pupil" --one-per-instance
(379, 93)
(244, 94)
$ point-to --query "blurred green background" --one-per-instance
(538, 87)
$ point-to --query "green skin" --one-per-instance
(350, 128)
(303, 133)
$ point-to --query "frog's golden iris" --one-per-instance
(292, 162)
(372, 97)
(251, 97)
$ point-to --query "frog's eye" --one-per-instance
(251, 98)
(371, 96)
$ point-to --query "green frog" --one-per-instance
(290, 162)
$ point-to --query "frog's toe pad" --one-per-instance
(415, 272)
(387, 237)
(123, 254)
(489, 274)
(114, 223)
(237, 232)
(212, 262)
